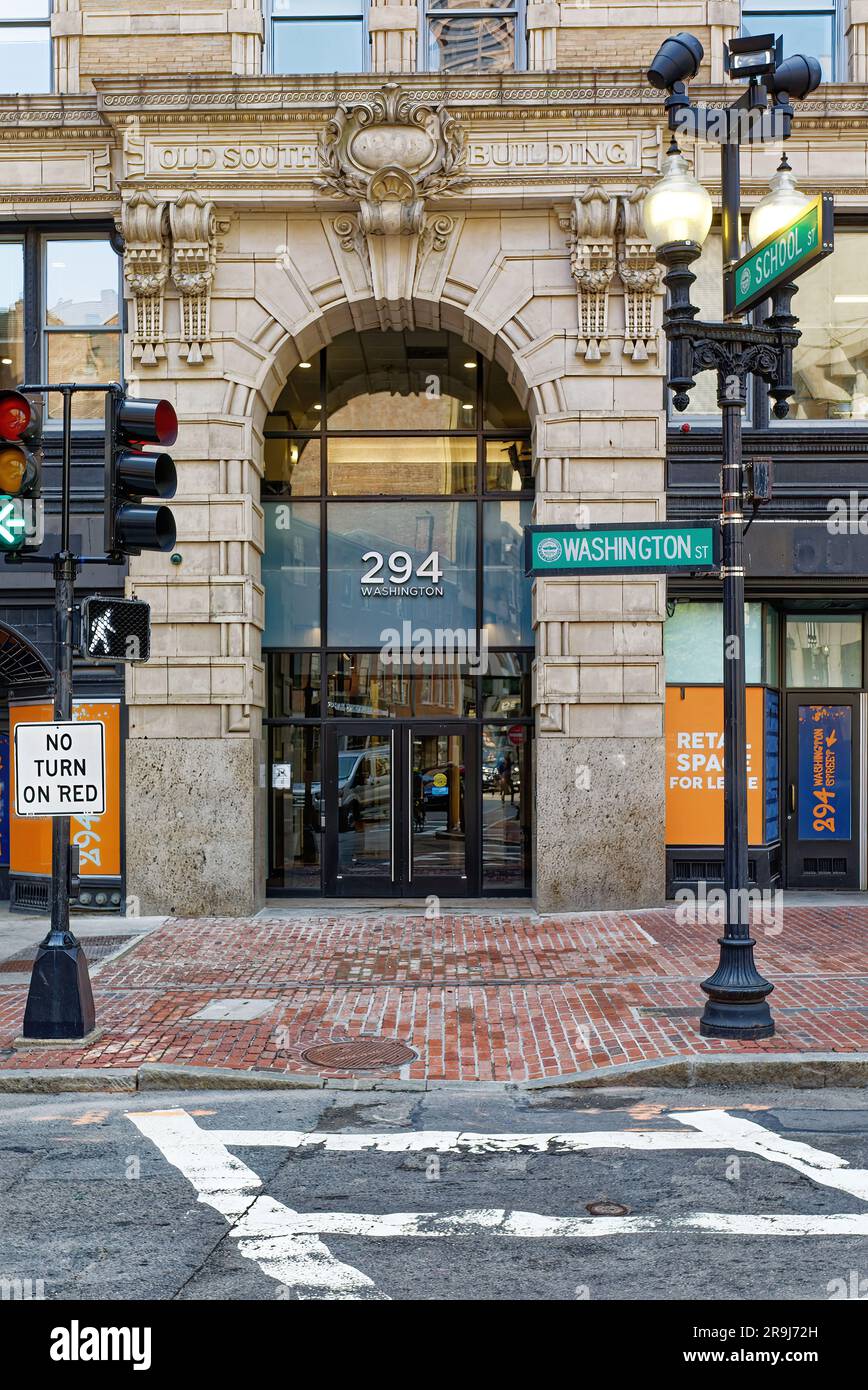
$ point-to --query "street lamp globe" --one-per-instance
(781, 204)
(677, 208)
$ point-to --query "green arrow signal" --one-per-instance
(9, 524)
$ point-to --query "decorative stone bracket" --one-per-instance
(388, 156)
(641, 275)
(604, 236)
(163, 239)
(146, 267)
(591, 242)
(194, 258)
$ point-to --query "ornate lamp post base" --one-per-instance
(737, 1006)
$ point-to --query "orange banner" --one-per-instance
(694, 765)
(98, 837)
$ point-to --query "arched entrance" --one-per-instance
(23, 670)
(398, 641)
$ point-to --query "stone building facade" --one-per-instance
(257, 229)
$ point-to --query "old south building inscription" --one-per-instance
(282, 158)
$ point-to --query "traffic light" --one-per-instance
(115, 629)
(131, 474)
(20, 464)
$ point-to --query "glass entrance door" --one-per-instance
(399, 805)
(360, 795)
(442, 824)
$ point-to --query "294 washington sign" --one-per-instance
(678, 548)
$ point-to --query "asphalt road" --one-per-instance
(400, 1195)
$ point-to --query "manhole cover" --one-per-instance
(607, 1209)
(362, 1054)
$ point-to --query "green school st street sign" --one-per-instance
(781, 257)
(674, 548)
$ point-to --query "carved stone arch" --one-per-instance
(282, 350)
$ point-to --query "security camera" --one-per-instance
(677, 60)
(797, 76)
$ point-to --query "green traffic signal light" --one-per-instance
(13, 526)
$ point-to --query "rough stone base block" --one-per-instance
(600, 837)
(194, 844)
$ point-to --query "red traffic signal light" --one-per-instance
(132, 474)
(148, 422)
(20, 424)
(16, 413)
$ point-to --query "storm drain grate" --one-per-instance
(96, 948)
(361, 1054)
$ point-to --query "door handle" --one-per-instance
(792, 798)
(410, 808)
(392, 802)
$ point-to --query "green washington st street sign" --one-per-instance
(622, 549)
(780, 258)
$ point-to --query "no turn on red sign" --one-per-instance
(60, 769)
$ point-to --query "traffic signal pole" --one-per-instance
(60, 999)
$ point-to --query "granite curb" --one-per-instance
(808, 1070)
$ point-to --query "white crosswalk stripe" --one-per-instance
(287, 1244)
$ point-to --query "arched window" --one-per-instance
(397, 484)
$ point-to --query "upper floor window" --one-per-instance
(60, 313)
(807, 26)
(830, 363)
(471, 36)
(11, 312)
(309, 36)
(81, 325)
(25, 46)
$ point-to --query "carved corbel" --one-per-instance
(194, 259)
(146, 270)
(591, 241)
(388, 156)
(641, 276)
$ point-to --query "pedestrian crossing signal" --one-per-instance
(115, 629)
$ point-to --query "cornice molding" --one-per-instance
(519, 94)
(510, 97)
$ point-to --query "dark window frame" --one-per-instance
(34, 236)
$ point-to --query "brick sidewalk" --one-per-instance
(479, 997)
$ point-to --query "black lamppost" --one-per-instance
(677, 219)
